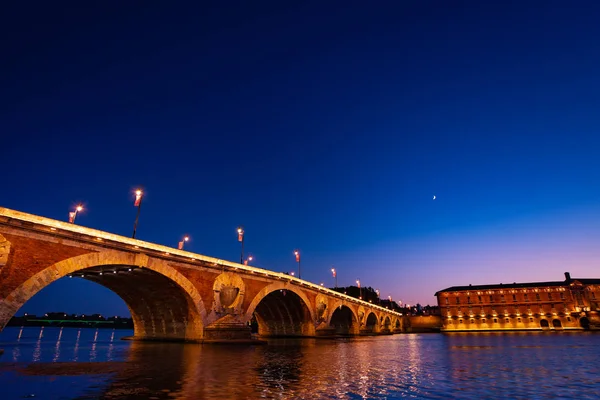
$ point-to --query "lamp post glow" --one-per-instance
(240, 232)
(334, 272)
(185, 239)
(137, 203)
(297, 254)
(73, 214)
(359, 289)
(247, 262)
(378, 300)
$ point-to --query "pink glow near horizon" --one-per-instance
(532, 250)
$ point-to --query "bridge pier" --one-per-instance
(325, 330)
(229, 329)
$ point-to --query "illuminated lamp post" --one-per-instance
(359, 289)
(137, 203)
(297, 254)
(247, 262)
(334, 272)
(73, 214)
(240, 232)
(378, 300)
(185, 239)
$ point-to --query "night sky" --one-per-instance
(323, 126)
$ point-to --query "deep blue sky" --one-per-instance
(323, 126)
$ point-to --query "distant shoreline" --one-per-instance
(112, 323)
(80, 326)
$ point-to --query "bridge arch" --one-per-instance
(371, 324)
(387, 323)
(163, 303)
(339, 303)
(343, 319)
(282, 310)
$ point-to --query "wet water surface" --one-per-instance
(54, 363)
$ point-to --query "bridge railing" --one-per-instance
(55, 227)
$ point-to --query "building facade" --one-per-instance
(571, 304)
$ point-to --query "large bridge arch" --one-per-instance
(343, 319)
(282, 310)
(339, 303)
(387, 323)
(163, 303)
(371, 322)
(396, 324)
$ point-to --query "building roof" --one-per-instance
(519, 285)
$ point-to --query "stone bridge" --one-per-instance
(174, 294)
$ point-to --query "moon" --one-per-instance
(434, 196)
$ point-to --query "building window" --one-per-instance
(495, 320)
(472, 321)
(530, 319)
(491, 299)
(562, 295)
(519, 319)
(537, 296)
(525, 297)
(514, 297)
(479, 298)
(447, 302)
(483, 320)
(549, 296)
(460, 321)
(569, 319)
(506, 319)
(458, 300)
(502, 298)
(594, 295)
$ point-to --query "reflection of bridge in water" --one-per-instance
(174, 294)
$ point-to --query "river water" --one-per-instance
(71, 363)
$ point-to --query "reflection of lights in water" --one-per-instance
(111, 346)
(93, 350)
(37, 352)
(76, 349)
(342, 360)
(414, 361)
(20, 333)
(363, 360)
(16, 353)
(57, 347)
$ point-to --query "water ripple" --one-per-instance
(95, 364)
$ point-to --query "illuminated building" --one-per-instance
(571, 304)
